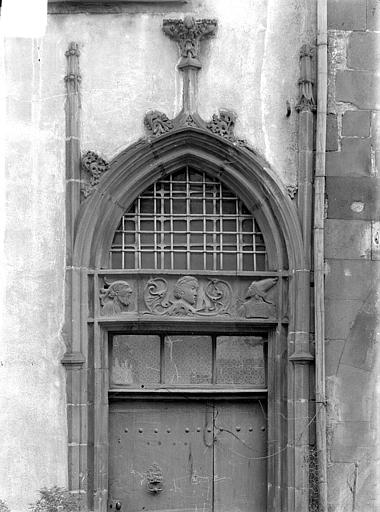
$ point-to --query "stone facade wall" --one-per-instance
(352, 255)
(128, 67)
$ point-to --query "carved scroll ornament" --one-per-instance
(115, 298)
(188, 297)
(93, 166)
(256, 303)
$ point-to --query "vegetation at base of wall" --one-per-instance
(4, 507)
(55, 499)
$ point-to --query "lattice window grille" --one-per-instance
(188, 221)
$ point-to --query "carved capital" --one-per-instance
(306, 101)
(93, 166)
(188, 33)
(157, 123)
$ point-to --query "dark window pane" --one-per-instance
(196, 261)
(147, 260)
(116, 260)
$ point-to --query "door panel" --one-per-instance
(172, 435)
(206, 457)
(240, 479)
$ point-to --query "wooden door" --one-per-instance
(188, 455)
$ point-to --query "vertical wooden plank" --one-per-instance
(172, 437)
(240, 456)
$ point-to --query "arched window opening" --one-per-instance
(188, 221)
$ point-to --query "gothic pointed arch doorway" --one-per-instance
(188, 337)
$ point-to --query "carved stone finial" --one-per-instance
(73, 77)
(306, 101)
(93, 166)
(157, 123)
(188, 34)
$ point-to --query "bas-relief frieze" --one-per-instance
(190, 296)
(115, 298)
(257, 304)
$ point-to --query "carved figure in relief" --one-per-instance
(188, 297)
(116, 298)
(185, 294)
(257, 304)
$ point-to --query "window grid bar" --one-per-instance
(159, 228)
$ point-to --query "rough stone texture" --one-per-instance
(361, 88)
(353, 160)
(348, 239)
(364, 51)
(332, 133)
(353, 198)
(350, 278)
(33, 441)
(373, 15)
(356, 123)
(346, 14)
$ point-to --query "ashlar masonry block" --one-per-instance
(346, 14)
(356, 123)
(348, 239)
(364, 51)
(360, 88)
(353, 160)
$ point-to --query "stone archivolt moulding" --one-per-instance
(189, 296)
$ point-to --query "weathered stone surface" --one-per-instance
(353, 160)
(351, 441)
(360, 349)
(331, 133)
(348, 239)
(340, 315)
(361, 88)
(353, 198)
(375, 247)
(364, 51)
(346, 14)
(355, 395)
(334, 349)
(356, 123)
(350, 278)
(373, 15)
